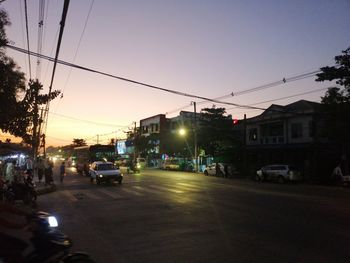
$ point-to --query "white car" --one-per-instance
(211, 170)
(105, 172)
(278, 172)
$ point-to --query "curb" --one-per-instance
(46, 189)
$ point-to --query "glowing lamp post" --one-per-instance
(182, 132)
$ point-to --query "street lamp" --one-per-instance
(182, 132)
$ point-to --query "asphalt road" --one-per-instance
(162, 216)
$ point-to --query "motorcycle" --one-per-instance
(20, 191)
(50, 245)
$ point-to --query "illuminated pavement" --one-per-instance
(161, 216)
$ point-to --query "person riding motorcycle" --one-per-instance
(11, 248)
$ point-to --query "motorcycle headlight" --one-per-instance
(52, 221)
(100, 175)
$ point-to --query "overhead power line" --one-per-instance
(283, 98)
(23, 34)
(164, 89)
(40, 36)
(76, 53)
(87, 121)
(262, 87)
(62, 24)
(28, 51)
(134, 81)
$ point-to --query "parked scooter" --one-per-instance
(20, 191)
(50, 245)
(137, 168)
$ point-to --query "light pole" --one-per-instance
(195, 136)
(182, 132)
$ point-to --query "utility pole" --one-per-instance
(195, 137)
(97, 139)
(36, 128)
(134, 142)
(245, 142)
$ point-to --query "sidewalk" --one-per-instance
(41, 188)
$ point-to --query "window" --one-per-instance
(311, 129)
(297, 130)
(156, 127)
(253, 134)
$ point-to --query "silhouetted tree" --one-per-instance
(340, 73)
(337, 101)
(79, 142)
(18, 104)
(215, 130)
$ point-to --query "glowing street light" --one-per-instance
(182, 132)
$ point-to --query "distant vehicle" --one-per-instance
(85, 155)
(171, 164)
(279, 172)
(211, 170)
(141, 163)
(105, 172)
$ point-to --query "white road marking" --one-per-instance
(91, 195)
(147, 190)
(167, 189)
(69, 195)
(190, 186)
(112, 194)
(131, 191)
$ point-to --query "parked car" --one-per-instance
(104, 172)
(211, 170)
(171, 164)
(279, 172)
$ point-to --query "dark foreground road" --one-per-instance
(163, 216)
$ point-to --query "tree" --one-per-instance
(112, 141)
(337, 101)
(12, 81)
(334, 96)
(26, 118)
(215, 130)
(79, 142)
(340, 73)
(18, 105)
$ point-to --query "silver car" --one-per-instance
(105, 172)
(279, 172)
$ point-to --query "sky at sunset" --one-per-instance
(205, 48)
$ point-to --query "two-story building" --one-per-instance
(288, 134)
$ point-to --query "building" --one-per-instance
(288, 134)
(154, 124)
(185, 119)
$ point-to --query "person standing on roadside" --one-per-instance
(10, 176)
(62, 171)
(29, 166)
(48, 172)
(41, 169)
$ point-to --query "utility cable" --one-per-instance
(132, 81)
(160, 88)
(283, 98)
(75, 55)
(87, 121)
(40, 36)
(23, 34)
(62, 24)
(28, 52)
(265, 86)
